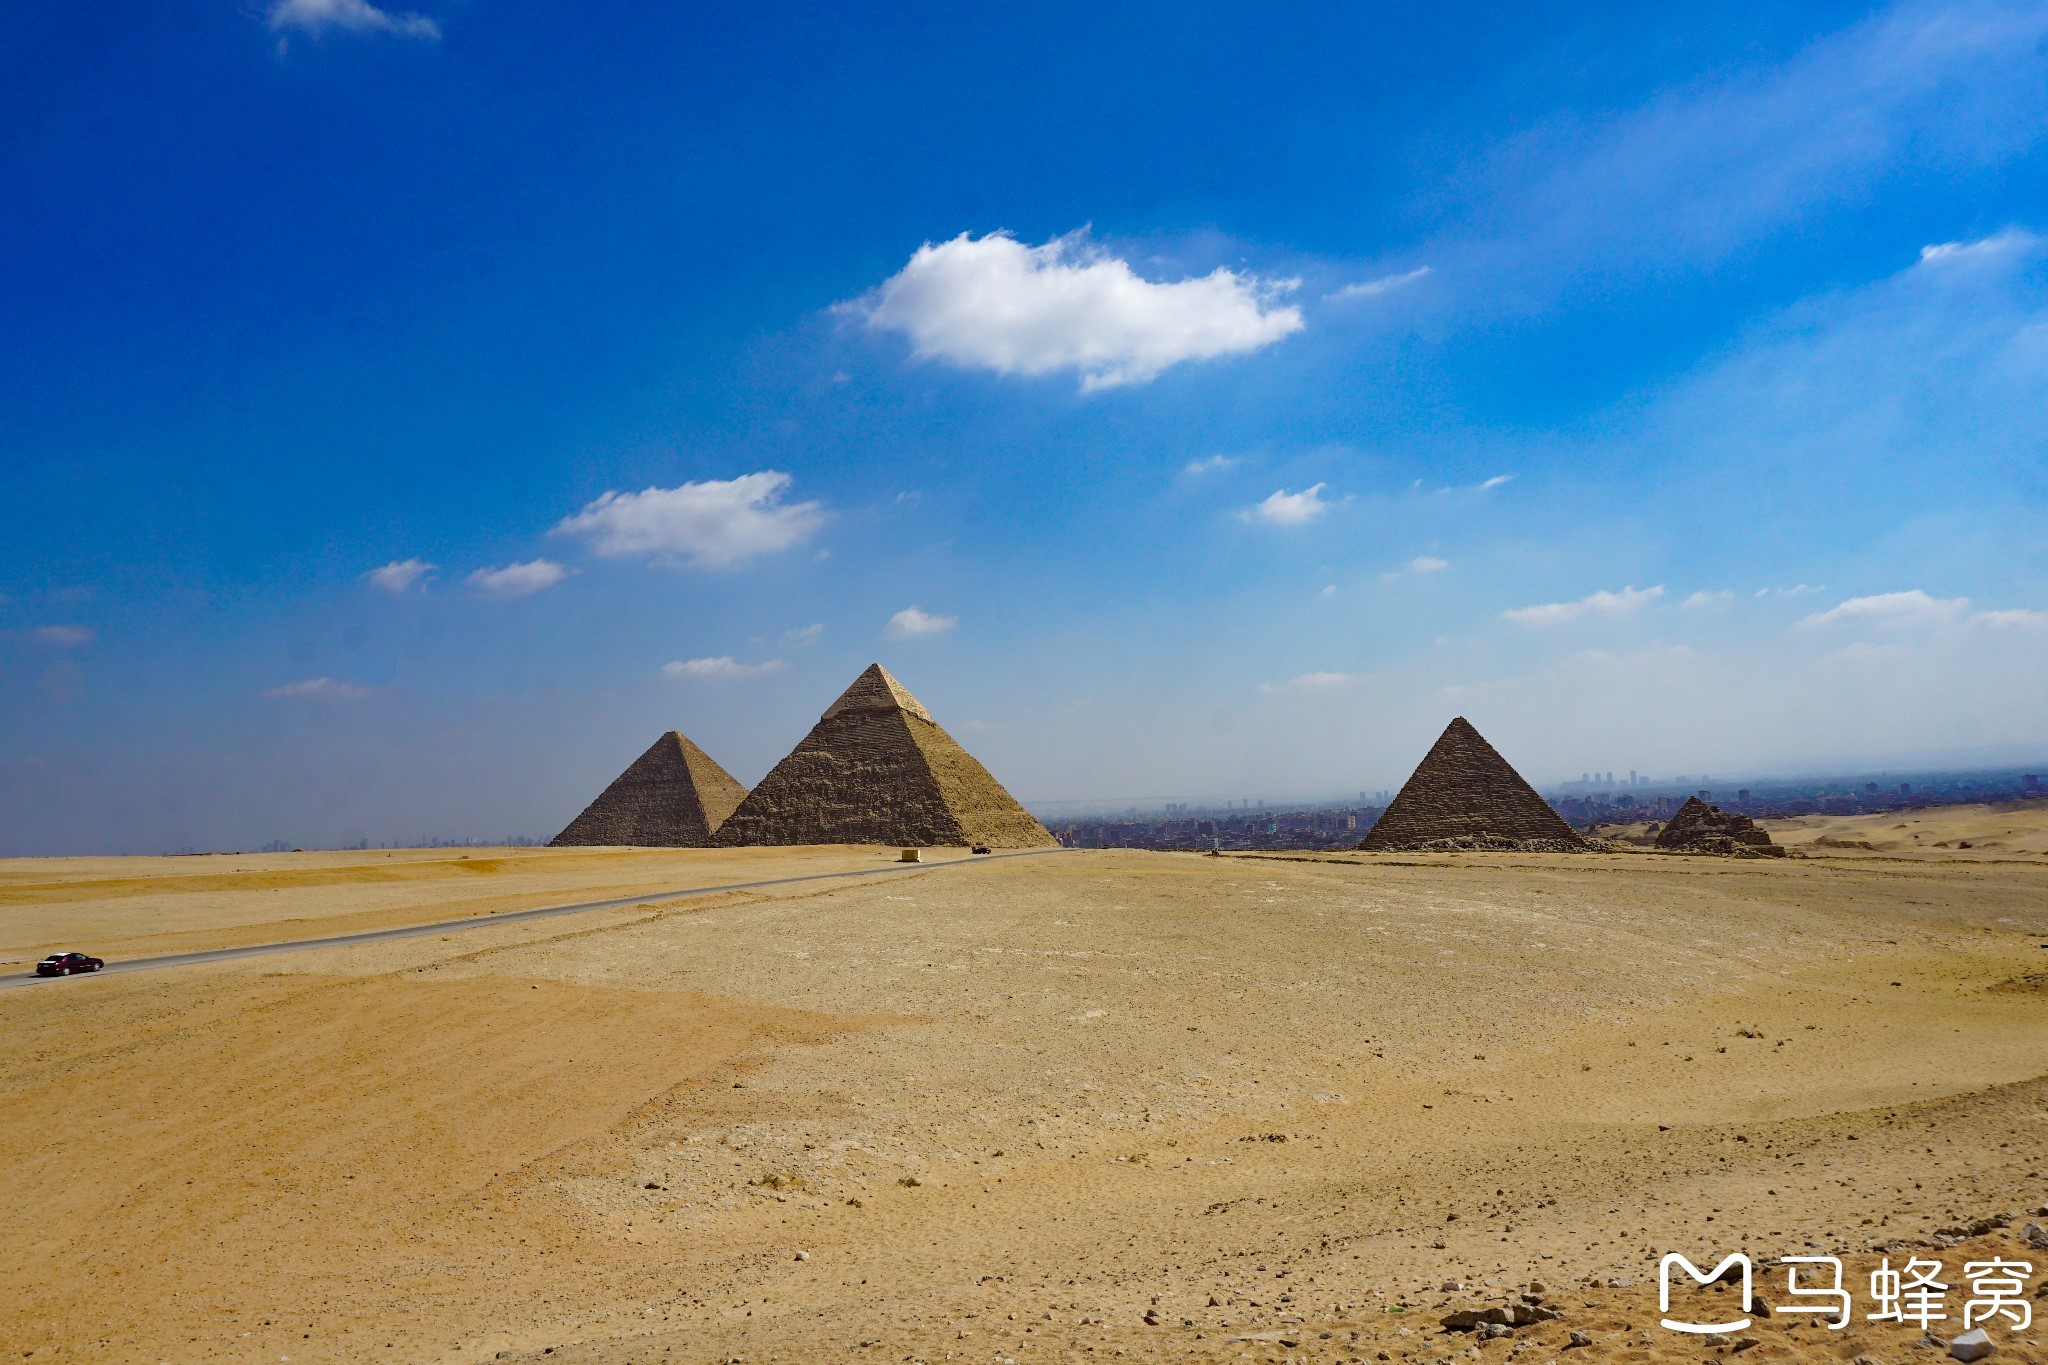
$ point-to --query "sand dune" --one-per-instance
(1009, 1110)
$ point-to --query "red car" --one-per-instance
(64, 964)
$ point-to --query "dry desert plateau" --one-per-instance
(1073, 1105)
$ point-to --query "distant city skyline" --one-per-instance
(413, 410)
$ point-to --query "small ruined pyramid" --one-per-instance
(1700, 828)
(877, 769)
(673, 796)
(1463, 795)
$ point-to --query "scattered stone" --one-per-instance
(1930, 1342)
(1151, 1317)
(2035, 1236)
(1701, 828)
(1719, 1339)
(1747, 1343)
(1579, 1338)
(1971, 1345)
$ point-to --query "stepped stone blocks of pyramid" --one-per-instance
(877, 769)
(1463, 795)
(1700, 828)
(673, 796)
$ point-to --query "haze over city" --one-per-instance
(411, 412)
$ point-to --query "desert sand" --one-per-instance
(1012, 1110)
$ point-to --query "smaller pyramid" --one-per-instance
(1701, 828)
(877, 769)
(673, 796)
(1463, 795)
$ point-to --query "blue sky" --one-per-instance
(409, 412)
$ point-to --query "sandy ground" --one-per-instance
(141, 907)
(1008, 1111)
(1978, 833)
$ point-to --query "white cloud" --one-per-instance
(712, 523)
(1366, 289)
(315, 17)
(1209, 465)
(724, 668)
(1314, 682)
(66, 636)
(1911, 608)
(400, 574)
(1704, 598)
(804, 637)
(320, 689)
(911, 622)
(1283, 508)
(1495, 482)
(2016, 618)
(1427, 564)
(2011, 241)
(518, 580)
(1628, 600)
(994, 303)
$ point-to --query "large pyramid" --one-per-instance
(674, 796)
(877, 769)
(1464, 795)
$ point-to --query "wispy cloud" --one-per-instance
(1912, 608)
(1209, 465)
(1705, 168)
(315, 17)
(1282, 508)
(994, 303)
(804, 636)
(1623, 603)
(1917, 609)
(2013, 618)
(1703, 598)
(1496, 481)
(518, 580)
(320, 689)
(724, 668)
(66, 636)
(1365, 289)
(400, 575)
(1314, 682)
(713, 523)
(913, 622)
(1428, 564)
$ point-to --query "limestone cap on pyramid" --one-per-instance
(876, 689)
(877, 769)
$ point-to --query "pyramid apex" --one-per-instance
(877, 690)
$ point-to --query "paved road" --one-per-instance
(145, 964)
